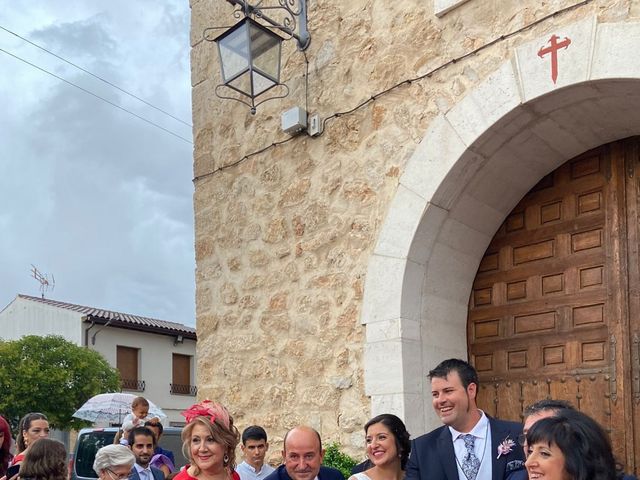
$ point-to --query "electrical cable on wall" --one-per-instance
(408, 81)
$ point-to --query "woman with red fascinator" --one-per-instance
(5, 446)
(209, 441)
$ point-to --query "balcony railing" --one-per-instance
(178, 389)
(135, 385)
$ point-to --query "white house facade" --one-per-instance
(156, 358)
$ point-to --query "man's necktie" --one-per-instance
(470, 464)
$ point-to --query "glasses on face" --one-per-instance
(115, 476)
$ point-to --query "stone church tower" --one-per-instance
(474, 194)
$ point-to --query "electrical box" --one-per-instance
(294, 120)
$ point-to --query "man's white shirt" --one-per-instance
(247, 472)
(481, 447)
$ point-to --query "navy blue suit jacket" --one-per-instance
(157, 474)
(433, 457)
(326, 473)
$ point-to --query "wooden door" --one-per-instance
(549, 308)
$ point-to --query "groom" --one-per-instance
(470, 445)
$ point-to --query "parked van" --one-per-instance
(90, 440)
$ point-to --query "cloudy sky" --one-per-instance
(90, 194)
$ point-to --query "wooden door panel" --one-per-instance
(554, 310)
(508, 403)
(541, 309)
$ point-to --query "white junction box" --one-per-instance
(294, 120)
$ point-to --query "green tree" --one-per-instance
(333, 457)
(53, 376)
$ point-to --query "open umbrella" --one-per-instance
(112, 408)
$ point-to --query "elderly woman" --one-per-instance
(46, 460)
(209, 441)
(114, 462)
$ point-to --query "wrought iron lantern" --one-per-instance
(250, 50)
(250, 58)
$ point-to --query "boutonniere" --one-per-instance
(505, 447)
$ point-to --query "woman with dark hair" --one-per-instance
(45, 460)
(209, 441)
(388, 448)
(569, 446)
(5, 446)
(32, 427)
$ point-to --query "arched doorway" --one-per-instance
(474, 164)
(553, 311)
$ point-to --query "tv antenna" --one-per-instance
(43, 279)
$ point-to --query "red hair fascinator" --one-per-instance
(208, 409)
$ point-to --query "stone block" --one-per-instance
(572, 61)
(450, 273)
(383, 367)
(400, 225)
(383, 289)
(615, 53)
(400, 328)
(481, 109)
(442, 7)
(477, 216)
(432, 159)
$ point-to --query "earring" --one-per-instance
(225, 459)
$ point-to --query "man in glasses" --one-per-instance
(537, 411)
(113, 462)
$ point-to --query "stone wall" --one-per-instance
(284, 236)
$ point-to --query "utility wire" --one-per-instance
(97, 96)
(407, 81)
(95, 76)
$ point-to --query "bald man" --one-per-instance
(302, 456)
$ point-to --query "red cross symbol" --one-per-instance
(553, 50)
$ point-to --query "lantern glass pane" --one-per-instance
(265, 52)
(261, 83)
(242, 84)
(234, 52)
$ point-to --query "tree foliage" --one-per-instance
(53, 376)
(333, 457)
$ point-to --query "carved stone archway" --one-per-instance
(471, 168)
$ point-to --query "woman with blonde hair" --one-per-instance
(209, 441)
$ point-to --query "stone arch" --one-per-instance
(472, 167)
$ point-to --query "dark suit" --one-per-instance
(433, 457)
(361, 467)
(157, 474)
(326, 473)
